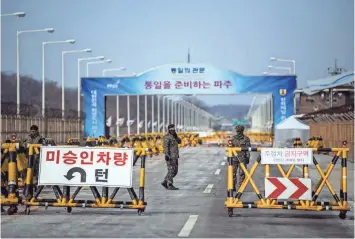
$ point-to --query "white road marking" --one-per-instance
(189, 225)
(223, 163)
(217, 171)
(208, 188)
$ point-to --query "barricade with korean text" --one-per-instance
(286, 192)
(77, 167)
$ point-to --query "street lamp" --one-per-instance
(280, 68)
(71, 41)
(285, 60)
(113, 69)
(95, 62)
(17, 14)
(49, 30)
(63, 53)
(79, 85)
(270, 73)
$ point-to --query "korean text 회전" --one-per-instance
(158, 85)
(87, 158)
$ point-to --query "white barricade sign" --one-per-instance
(286, 156)
(86, 166)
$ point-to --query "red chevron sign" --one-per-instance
(288, 188)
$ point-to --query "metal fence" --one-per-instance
(56, 128)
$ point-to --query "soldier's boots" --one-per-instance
(168, 186)
(171, 187)
(165, 184)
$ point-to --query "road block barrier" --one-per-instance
(51, 174)
(9, 194)
(315, 142)
(302, 198)
(297, 143)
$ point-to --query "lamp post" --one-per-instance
(63, 54)
(280, 68)
(113, 69)
(79, 85)
(49, 30)
(285, 60)
(95, 62)
(71, 41)
(271, 74)
(16, 14)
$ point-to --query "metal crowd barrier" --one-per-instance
(63, 198)
(340, 203)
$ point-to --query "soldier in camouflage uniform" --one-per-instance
(240, 141)
(34, 136)
(171, 151)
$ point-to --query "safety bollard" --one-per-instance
(11, 197)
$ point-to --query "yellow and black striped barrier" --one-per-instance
(9, 192)
(297, 143)
(63, 198)
(339, 203)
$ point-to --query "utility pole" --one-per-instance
(336, 70)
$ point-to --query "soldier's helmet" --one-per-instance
(239, 128)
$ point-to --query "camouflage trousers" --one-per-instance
(241, 175)
(173, 165)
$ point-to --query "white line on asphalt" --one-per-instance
(223, 163)
(189, 225)
(208, 188)
(217, 171)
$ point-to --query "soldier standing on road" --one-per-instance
(171, 150)
(240, 141)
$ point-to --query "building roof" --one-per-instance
(331, 111)
(345, 80)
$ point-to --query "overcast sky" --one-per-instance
(240, 35)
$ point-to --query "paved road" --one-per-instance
(196, 210)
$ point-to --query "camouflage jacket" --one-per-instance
(242, 141)
(34, 140)
(171, 145)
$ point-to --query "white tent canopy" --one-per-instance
(289, 129)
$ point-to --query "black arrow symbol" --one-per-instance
(71, 171)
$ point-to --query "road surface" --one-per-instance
(196, 210)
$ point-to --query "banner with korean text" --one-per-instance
(86, 166)
(286, 156)
(183, 79)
